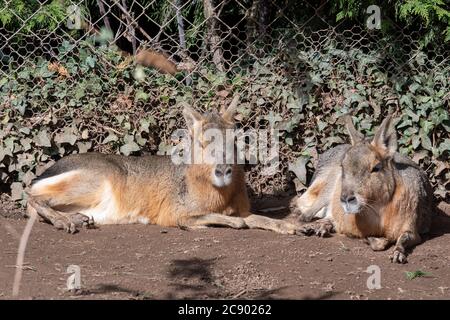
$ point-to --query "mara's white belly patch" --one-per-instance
(41, 186)
(107, 210)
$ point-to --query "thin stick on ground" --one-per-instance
(21, 253)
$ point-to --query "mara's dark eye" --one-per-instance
(377, 167)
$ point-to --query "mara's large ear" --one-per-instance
(385, 137)
(191, 116)
(355, 136)
(228, 113)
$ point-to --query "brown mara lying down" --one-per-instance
(83, 189)
(368, 190)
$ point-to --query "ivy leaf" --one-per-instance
(321, 125)
(289, 141)
(273, 118)
(130, 146)
(415, 142)
(145, 124)
(84, 147)
(426, 126)
(444, 146)
(90, 61)
(42, 139)
(67, 136)
(406, 100)
(426, 142)
(16, 191)
(110, 138)
(141, 96)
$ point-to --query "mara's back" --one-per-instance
(105, 164)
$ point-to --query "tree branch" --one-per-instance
(101, 7)
(181, 33)
(213, 39)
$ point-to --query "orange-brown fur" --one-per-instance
(315, 190)
(114, 189)
(159, 61)
(370, 191)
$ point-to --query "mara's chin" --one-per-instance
(221, 183)
(351, 209)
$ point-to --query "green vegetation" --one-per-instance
(83, 96)
(416, 274)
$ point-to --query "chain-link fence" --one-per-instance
(111, 76)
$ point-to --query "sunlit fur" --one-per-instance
(368, 187)
(368, 190)
(114, 189)
(200, 143)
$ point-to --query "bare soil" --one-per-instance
(151, 262)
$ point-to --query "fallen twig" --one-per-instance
(21, 253)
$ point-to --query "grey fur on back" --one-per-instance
(147, 168)
(417, 181)
(330, 158)
(127, 165)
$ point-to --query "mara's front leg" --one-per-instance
(210, 220)
(241, 208)
(254, 221)
(406, 240)
(250, 222)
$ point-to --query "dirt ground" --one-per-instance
(151, 262)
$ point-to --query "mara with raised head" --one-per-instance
(83, 189)
(368, 190)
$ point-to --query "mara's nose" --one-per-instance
(348, 198)
(223, 172)
(218, 172)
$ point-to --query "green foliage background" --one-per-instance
(87, 98)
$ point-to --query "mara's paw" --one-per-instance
(238, 224)
(82, 221)
(285, 227)
(71, 223)
(321, 228)
(65, 223)
(398, 256)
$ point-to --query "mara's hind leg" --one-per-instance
(211, 219)
(254, 221)
(60, 220)
(406, 240)
(315, 201)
